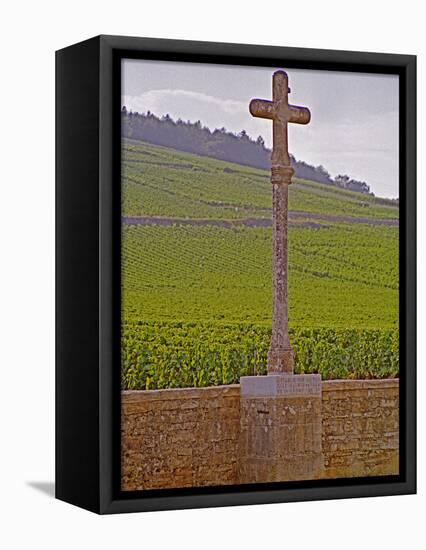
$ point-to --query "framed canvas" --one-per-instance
(236, 276)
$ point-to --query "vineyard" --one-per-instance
(162, 182)
(196, 292)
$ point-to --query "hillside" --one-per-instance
(194, 138)
(164, 182)
(196, 273)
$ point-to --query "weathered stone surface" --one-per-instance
(280, 356)
(281, 435)
(201, 436)
(360, 428)
(180, 438)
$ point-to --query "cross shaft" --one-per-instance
(280, 356)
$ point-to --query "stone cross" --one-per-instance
(280, 356)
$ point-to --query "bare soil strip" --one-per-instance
(298, 219)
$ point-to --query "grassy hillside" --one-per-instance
(196, 273)
(163, 182)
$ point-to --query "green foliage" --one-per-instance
(340, 276)
(171, 355)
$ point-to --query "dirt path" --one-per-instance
(344, 219)
(297, 219)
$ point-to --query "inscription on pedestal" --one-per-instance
(280, 384)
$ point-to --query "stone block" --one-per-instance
(281, 428)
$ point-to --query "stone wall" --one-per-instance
(192, 437)
(180, 438)
(360, 420)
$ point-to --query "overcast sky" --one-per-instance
(354, 124)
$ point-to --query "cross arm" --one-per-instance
(299, 115)
(262, 108)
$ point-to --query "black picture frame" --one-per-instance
(88, 273)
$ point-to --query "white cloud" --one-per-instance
(212, 111)
(159, 97)
(366, 149)
(167, 101)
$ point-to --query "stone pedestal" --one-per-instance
(281, 427)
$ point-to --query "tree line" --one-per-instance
(193, 137)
